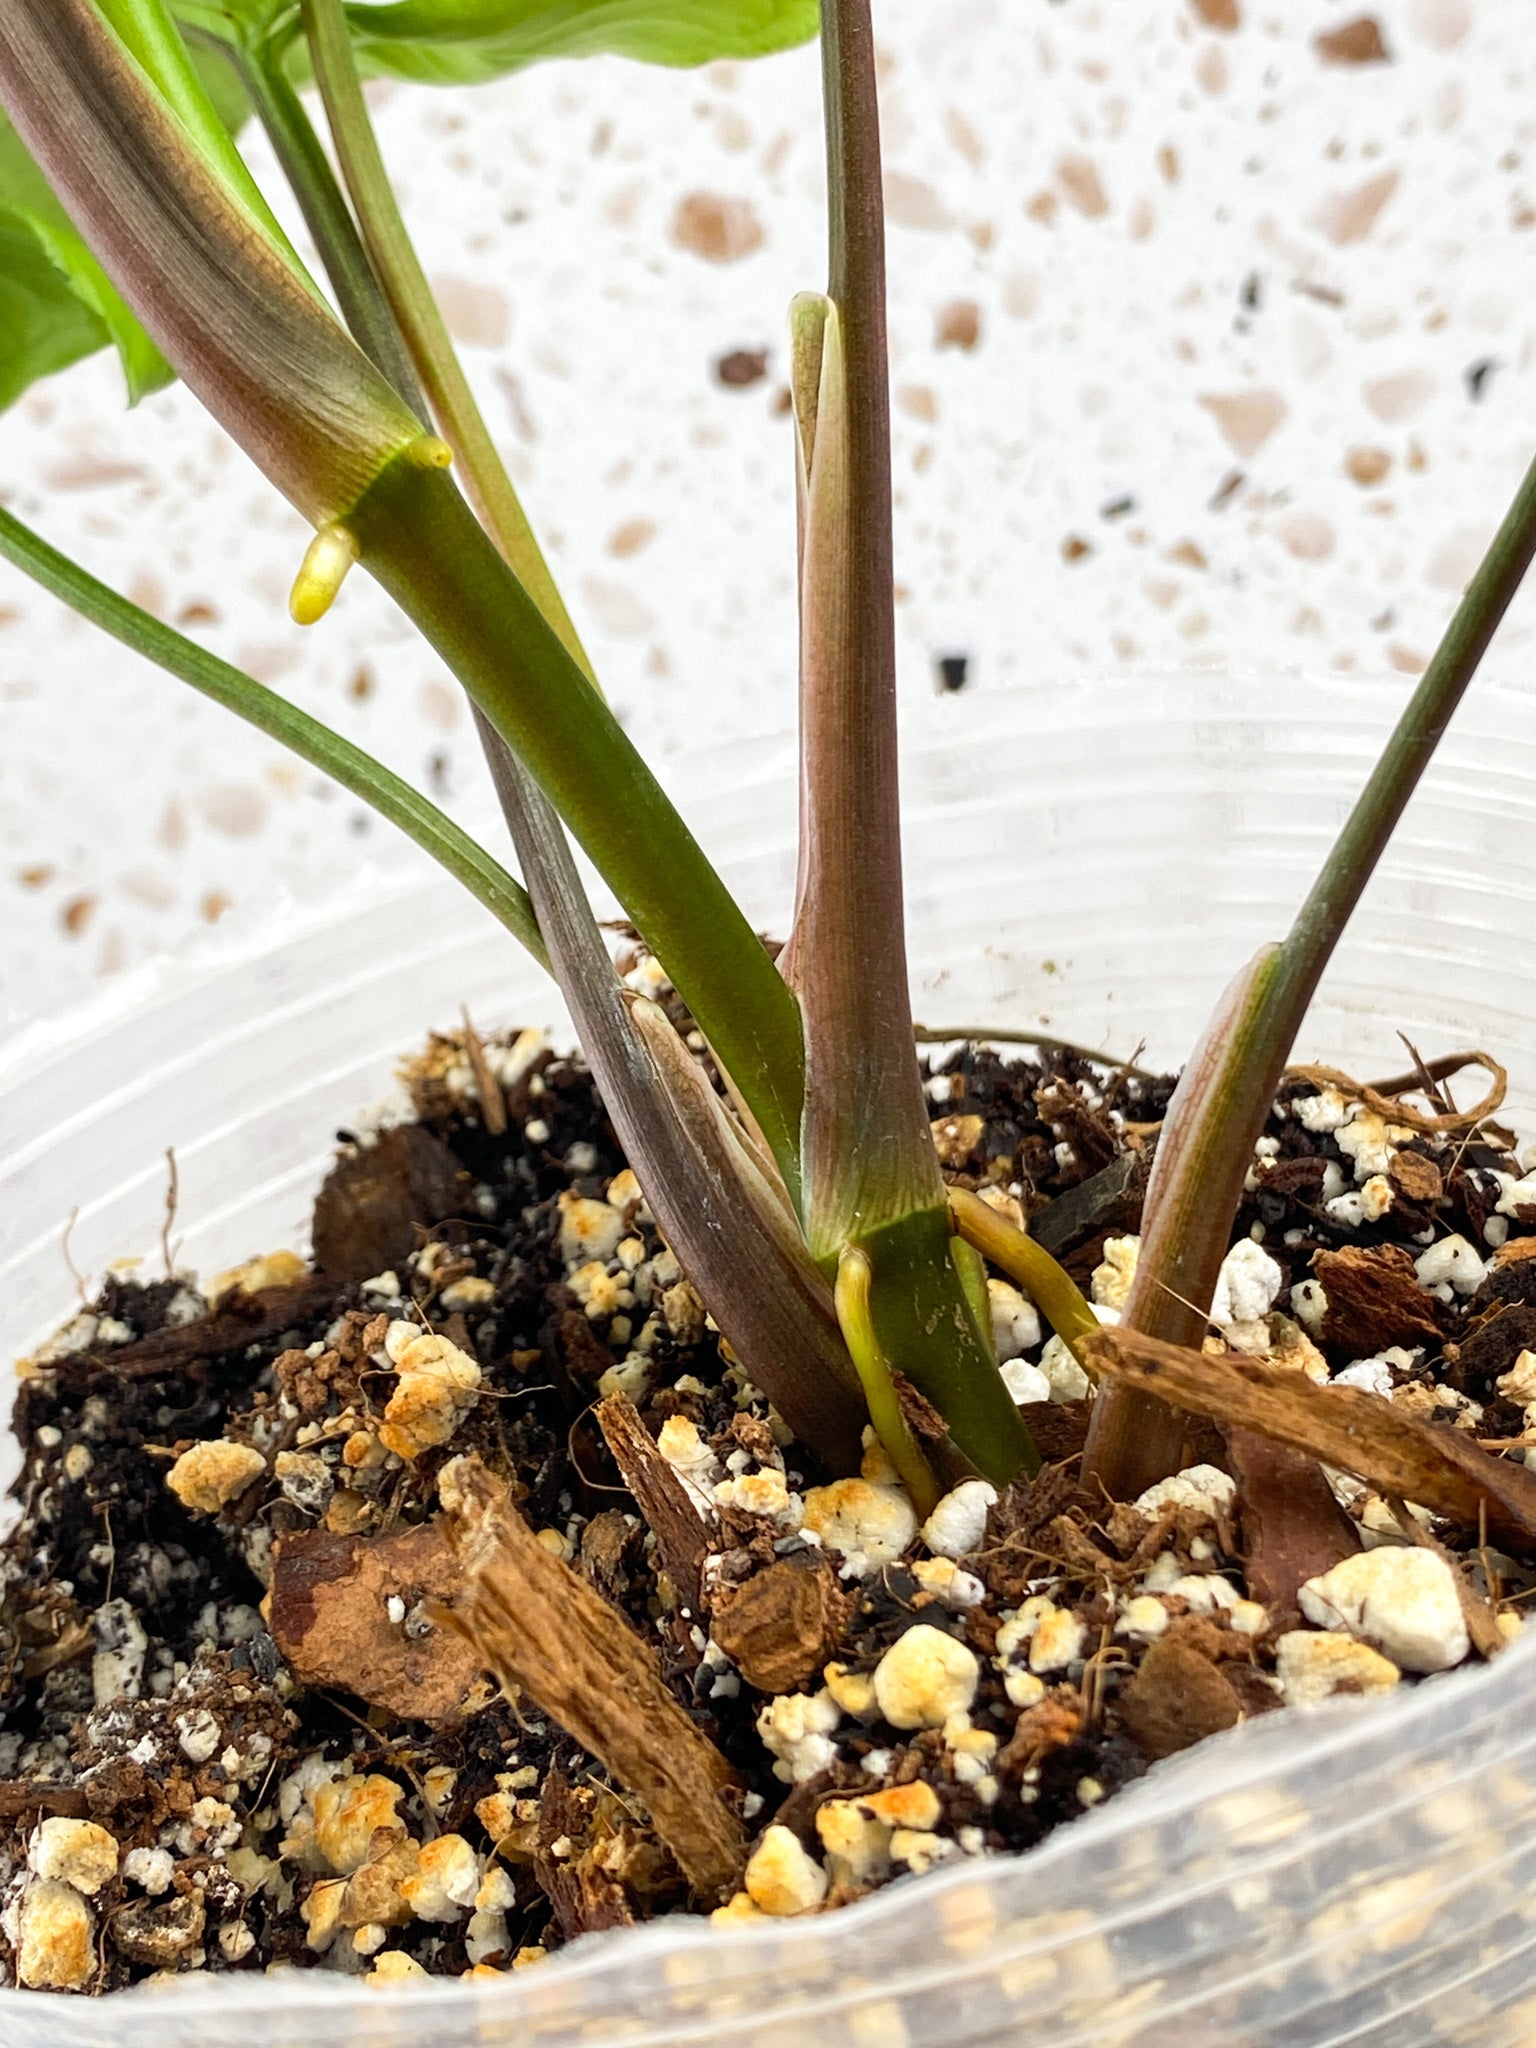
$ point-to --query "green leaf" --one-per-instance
(262, 351)
(463, 42)
(57, 304)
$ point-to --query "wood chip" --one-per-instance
(376, 1198)
(1494, 1342)
(918, 1412)
(22, 1796)
(784, 1624)
(1416, 1178)
(1374, 1300)
(1345, 1427)
(606, 1544)
(543, 1630)
(682, 1536)
(587, 1897)
(493, 1103)
(241, 1319)
(1110, 1196)
(329, 1617)
(1293, 1528)
(1176, 1699)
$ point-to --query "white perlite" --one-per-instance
(1201, 1487)
(958, 1525)
(796, 1728)
(1246, 1286)
(1026, 1383)
(1309, 1305)
(1519, 1383)
(76, 1852)
(1313, 1667)
(1370, 1141)
(1452, 1262)
(1403, 1602)
(868, 1525)
(1110, 1284)
(1015, 1320)
(943, 1578)
(1068, 1381)
(782, 1877)
(1371, 1375)
(924, 1677)
(152, 1868)
(1322, 1112)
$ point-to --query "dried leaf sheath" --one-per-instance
(542, 1629)
(681, 1536)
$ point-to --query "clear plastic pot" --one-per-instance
(1095, 862)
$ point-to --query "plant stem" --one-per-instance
(326, 214)
(420, 540)
(279, 372)
(271, 714)
(971, 1268)
(924, 1325)
(1198, 1174)
(871, 1176)
(768, 1300)
(404, 283)
(1224, 1099)
(763, 1296)
(1370, 825)
(869, 1157)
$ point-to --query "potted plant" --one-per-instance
(841, 1503)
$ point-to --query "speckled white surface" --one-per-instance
(1203, 274)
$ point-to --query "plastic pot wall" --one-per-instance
(1095, 862)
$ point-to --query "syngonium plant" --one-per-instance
(806, 1201)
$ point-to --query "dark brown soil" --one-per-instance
(157, 1681)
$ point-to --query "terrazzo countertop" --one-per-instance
(1213, 342)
